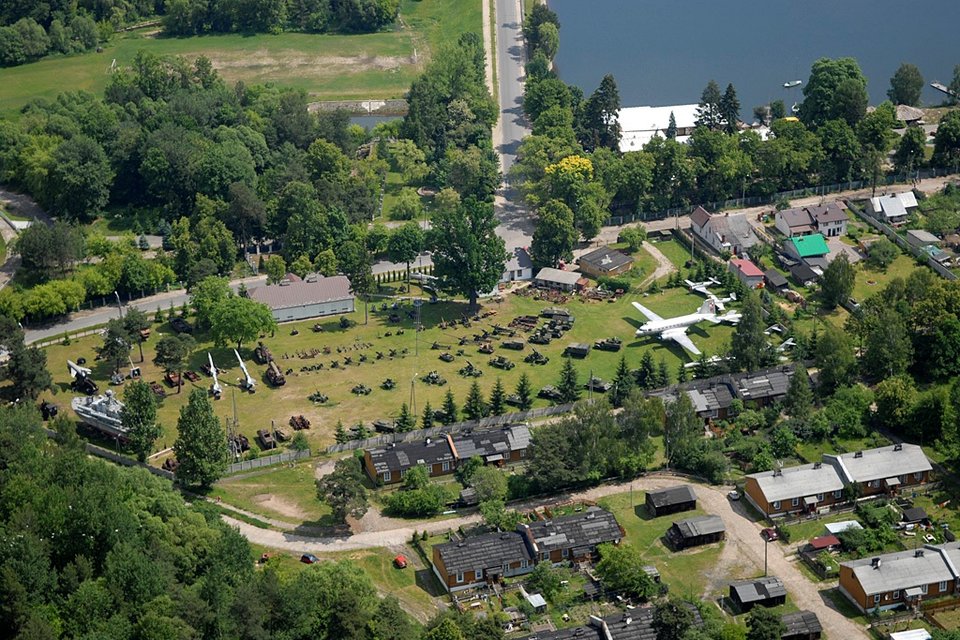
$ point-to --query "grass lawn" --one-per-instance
(813, 451)
(684, 571)
(594, 320)
(328, 67)
(815, 527)
(285, 493)
(3, 251)
(870, 281)
(674, 251)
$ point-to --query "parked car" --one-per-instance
(770, 534)
(309, 558)
(734, 495)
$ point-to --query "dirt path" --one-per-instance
(743, 549)
(664, 266)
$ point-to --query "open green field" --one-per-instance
(674, 251)
(594, 320)
(286, 493)
(328, 67)
(685, 571)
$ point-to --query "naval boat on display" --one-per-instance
(101, 412)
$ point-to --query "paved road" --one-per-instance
(516, 223)
(742, 553)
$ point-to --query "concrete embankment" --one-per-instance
(396, 107)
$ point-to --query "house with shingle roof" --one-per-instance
(828, 219)
(633, 624)
(572, 538)
(767, 591)
(671, 500)
(723, 232)
(906, 578)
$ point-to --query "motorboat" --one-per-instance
(792, 84)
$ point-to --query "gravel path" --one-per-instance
(743, 549)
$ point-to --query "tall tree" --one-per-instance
(887, 348)
(837, 282)
(246, 214)
(469, 256)
(405, 244)
(954, 85)
(406, 421)
(709, 114)
(730, 109)
(600, 126)
(451, 412)
(201, 446)
(910, 150)
(799, 400)
(836, 89)
(524, 393)
(474, 408)
(343, 490)
(116, 344)
(748, 346)
(136, 322)
(568, 385)
(946, 147)
(672, 619)
(139, 418)
(682, 430)
(906, 85)
(426, 421)
(354, 261)
(205, 296)
(623, 383)
(498, 399)
(172, 353)
(622, 569)
(80, 179)
(672, 127)
(554, 236)
(239, 319)
(764, 624)
(834, 359)
(27, 370)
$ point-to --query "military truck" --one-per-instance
(577, 350)
(261, 354)
(550, 392)
(598, 385)
(608, 344)
(514, 345)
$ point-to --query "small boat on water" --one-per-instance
(795, 108)
(792, 84)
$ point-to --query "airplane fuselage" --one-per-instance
(656, 327)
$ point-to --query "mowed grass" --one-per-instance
(328, 67)
(685, 571)
(675, 252)
(285, 493)
(594, 320)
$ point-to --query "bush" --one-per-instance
(612, 283)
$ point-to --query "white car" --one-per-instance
(734, 495)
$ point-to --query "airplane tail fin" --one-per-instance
(733, 295)
(708, 306)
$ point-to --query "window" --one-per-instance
(876, 599)
(776, 505)
(460, 577)
(524, 563)
(902, 479)
(819, 497)
(445, 466)
(874, 484)
(896, 594)
(545, 555)
(838, 494)
(924, 588)
(918, 476)
(566, 552)
(943, 586)
(387, 477)
(478, 573)
(795, 502)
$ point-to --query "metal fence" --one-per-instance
(891, 233)
(113, 456)
(457, 427)
(753, 201)
(266, 461)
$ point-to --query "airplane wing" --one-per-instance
(651, 316)
(717, 301)
(681, 338)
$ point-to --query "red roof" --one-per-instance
(825, 542)
(747, 268)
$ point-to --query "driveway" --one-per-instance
(743, 549)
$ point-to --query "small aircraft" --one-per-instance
(676, 328)
(703, 288)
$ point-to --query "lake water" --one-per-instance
(664, 52)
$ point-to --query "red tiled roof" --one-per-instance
(747, 268)
(825, 542)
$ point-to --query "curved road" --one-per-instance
(516, 224)
(742, 552)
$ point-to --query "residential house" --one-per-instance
(885, 470)
(792, 490)
(828, 219)
(893, 208)
(639, 125)
(902, 578)
(711, 397)
(823, 543)
(572, 538)
(519, 266)
(723, 232)
(605, 262)
(767, 591)
(806, 247)
(909, 116)
(696, 531)
(550, 278)
(312, 297)
(633, 624)
(442, 454)
(748, 273)
(774, 280)
(921, 238)
(478, 560)
(911, 634)
(763, 387)
(801, 625)
(671, 500)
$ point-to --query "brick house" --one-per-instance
(901, 578)
(882, 471)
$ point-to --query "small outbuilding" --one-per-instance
(768, 592)
(697, 531)
(550, 278)
(824, 543)
(519, 266)
(605, 262)
(803, 275)
(914, 515)
(921, 238)
(774, 280)
(671, 500)
(911, 634)
(801, 625)
(748, 273)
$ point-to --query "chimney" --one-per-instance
(918, 553)
(817, 465)
(898, 447)
(858, 454)
(875, 563)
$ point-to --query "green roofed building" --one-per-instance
(811, 246)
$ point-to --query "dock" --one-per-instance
(943, 88)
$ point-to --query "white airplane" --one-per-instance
(676, 328)
(703, 288)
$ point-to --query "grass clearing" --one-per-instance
(285, 493)
(686, 571)
(674, 251)
(328, 67)
(594, 320)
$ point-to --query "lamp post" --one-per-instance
(766, 543)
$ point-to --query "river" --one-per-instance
(664, 52)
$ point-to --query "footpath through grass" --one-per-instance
(328, 67)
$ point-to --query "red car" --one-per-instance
(309, 558)
(770, 534)
(400, 562)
